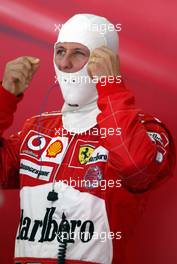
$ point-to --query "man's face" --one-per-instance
(70, 56)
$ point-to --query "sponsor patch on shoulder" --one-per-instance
(159, 157)
(154, 136)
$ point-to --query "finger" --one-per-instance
(105, 68)
(30, 59)
(91, 69)
(114, 57)
(18, 76)
(92, 60)
(98, 68)
(117, 64)
(109, 52)
(25, 58)
(103, 65)
(107, 49)
(27, 63)
(34, 69)
(24, 61)
(19, 67)
(33, 60)
(99, 53)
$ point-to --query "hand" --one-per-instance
(103, 62)
(18, 74)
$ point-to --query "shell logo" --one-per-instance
(54, 149)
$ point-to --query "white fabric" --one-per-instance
(77, 88)
(72, 203)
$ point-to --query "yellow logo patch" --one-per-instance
(85, 152)
(54, 149)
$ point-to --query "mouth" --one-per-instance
(74, 105)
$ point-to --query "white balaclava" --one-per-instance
(77, 88)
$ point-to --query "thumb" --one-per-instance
(33, 60)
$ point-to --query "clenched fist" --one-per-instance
(18, 74)
(103, 62)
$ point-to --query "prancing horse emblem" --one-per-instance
(85, 152)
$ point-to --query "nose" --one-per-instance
(65, 64)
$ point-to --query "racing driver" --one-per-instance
(76, 183)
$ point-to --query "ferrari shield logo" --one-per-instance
(85, 152)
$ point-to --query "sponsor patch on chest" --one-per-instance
(35, 170)
(41, 154)
(100, 154)
(87, 152)
(43, 148)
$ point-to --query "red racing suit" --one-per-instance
(99, 177)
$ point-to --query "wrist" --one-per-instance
(110, 85)
(10, 96)
(9, 89)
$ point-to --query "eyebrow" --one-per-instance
(58, 46)
(75, 49)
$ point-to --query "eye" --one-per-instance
(79, 53)
(60, 52)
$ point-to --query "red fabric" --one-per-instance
(148, 62)
(132, 157)
(134, 153)
(48, 261)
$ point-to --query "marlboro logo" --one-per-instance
(50, 228)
